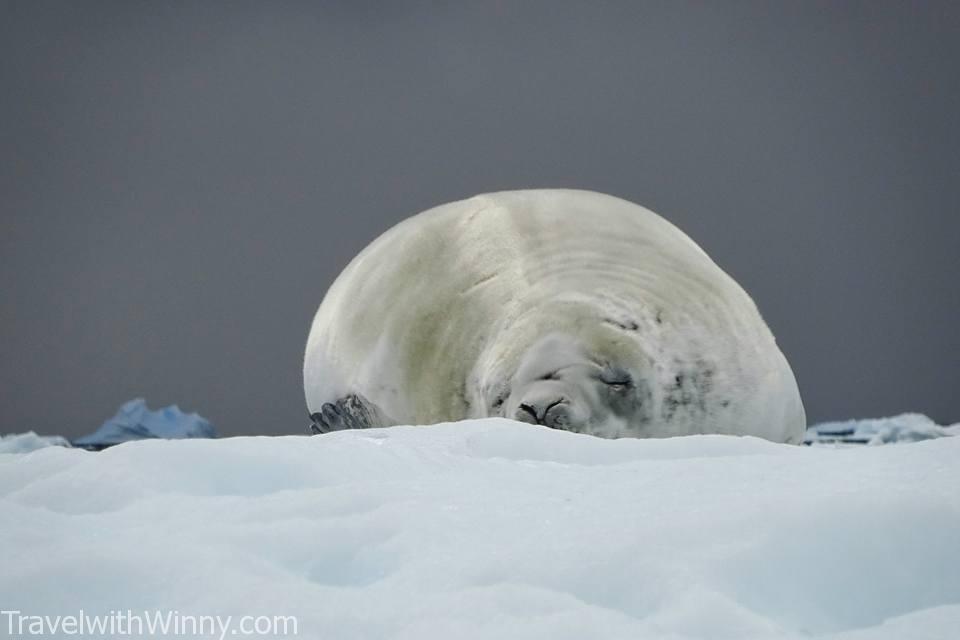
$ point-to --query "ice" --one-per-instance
(495, 529)
(29, 441)
(134, 421)
(906, 427)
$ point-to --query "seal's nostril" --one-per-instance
(556, 415)
(530, 410)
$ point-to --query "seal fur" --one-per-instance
(568, 308)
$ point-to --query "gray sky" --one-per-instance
(180, 182)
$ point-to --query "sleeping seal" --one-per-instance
(570, 309)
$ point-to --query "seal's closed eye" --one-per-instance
(616, 378)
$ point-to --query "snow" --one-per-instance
(495, 529)
(29, 441)
(906, 427)
(135, 421)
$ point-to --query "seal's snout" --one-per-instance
(554, 413)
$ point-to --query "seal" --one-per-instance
(571, 309)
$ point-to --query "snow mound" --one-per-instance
(29, 441)
(495, 529)
(907, 427)
(134, 421)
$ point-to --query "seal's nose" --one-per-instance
(553, 414)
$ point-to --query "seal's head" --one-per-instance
(574, 383)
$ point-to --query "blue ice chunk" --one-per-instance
(907, 427)
(29, 441)
(135, 421)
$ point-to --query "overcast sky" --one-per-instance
(181, 182)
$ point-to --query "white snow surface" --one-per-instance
(495, 529)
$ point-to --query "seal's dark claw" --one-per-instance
(317, 424)
(332, 417)
(349, 412)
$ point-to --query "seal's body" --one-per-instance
(571, 309)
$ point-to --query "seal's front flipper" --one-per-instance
(349, 412)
